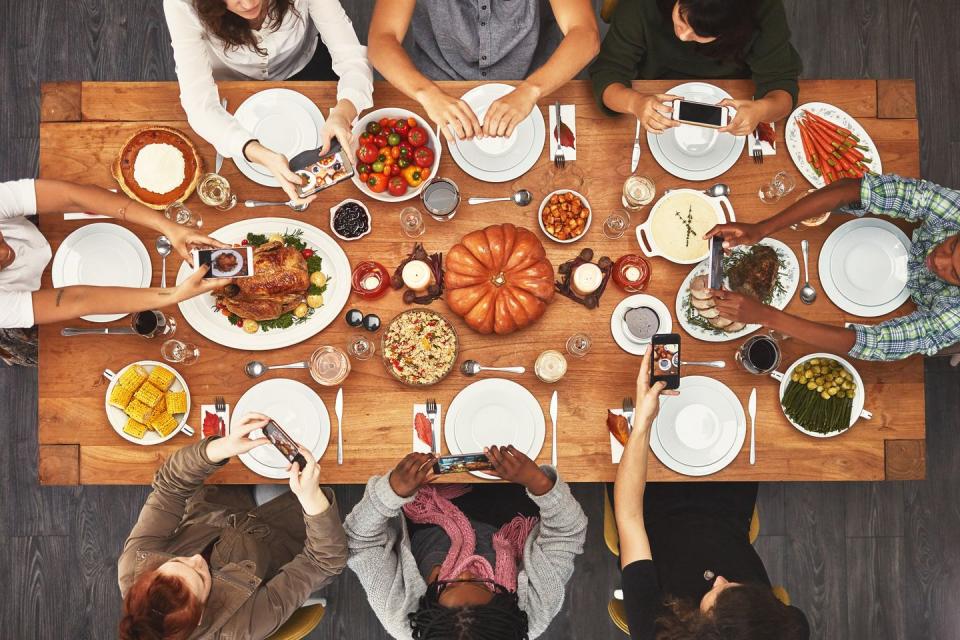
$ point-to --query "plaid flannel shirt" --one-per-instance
(936, 322)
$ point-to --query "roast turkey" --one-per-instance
(279, 283)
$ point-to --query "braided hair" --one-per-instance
(500, 619)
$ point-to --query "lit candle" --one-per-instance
(416, 275)
(587, 278)
(632, 273)
(371, 282)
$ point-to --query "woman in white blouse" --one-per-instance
(25, 253)
(265, 40)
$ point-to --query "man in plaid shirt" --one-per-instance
(933, 268)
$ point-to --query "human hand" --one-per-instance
(414, 471)
(305, 484)
(749, 114)
(452, 114)
(735, 234)
(507, 112)
(337, 125)
(238, 440)
(654, 116)
(648, 397)
(186, 239)
(514, 466)
(739, 307)
(196, 285)
(278, 165)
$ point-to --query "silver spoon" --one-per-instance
(807, 294)
(718, 190)
(472, 368)
(250, 204)
(164, 247)
(716, 364)
(255, 368)
(521, 198)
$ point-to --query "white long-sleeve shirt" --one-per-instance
(201, 59)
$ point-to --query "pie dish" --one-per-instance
(158, 166)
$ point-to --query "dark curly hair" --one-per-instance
(234, 31)
(741, 612)
(159, 607)
(500, 619)
(731, 22)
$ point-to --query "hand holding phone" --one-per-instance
(462, 463)
(515, 466)
(665, 362)
(414, 471)
(231, 262)
(305, 484)
(287, 446)
(700, 114)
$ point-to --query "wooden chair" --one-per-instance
(301, 623)
(606, 10)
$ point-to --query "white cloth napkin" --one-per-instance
(568, 113)
(419, 446)
(211, 408)
(765, 147)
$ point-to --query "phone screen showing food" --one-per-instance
(286, 445)
(232, 262)
(665, 364)
(708, 114)
(462, 464)
(715, 280)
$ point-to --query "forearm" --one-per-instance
(828, 338)
(67, 303)
(621, 99)
(56, 196)
(628, 490)
(776, 105)
(841, 193)
(576, 50)
(346, 109)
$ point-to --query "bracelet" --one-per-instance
(246, 144)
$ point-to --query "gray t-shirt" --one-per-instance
(431, 544)
(482, 39)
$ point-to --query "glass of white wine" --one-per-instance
(214, 191)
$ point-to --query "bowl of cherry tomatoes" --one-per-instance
(396, 154)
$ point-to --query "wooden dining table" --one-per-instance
(84, 124)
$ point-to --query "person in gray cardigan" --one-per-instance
(425, 560)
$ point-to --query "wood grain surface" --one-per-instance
(377, 409)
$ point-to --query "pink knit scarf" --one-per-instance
(433, 506)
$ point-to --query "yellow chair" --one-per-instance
(781, 594)
(301, 623)
(617, 614)
(606, 10)
(610, 534)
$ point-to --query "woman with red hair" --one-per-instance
(206, 561)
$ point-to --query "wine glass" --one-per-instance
(179, 352)
(153, 324)
(411, 222)
(360, 347)
(578, 345)
(616, 223)
(780, 185)
(214, 191)
(638, 191)
(179, 213)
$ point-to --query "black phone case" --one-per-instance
(309, 161)
(297, 457)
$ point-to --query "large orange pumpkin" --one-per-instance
(498, 279)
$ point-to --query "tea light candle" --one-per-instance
(371, 282)
(586, 279)
(632, 274)
(416, 275)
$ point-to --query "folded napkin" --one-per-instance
(419, 446)
(568, 114)
(212, 422)
(766, 142)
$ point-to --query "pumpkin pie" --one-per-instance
(158, 166)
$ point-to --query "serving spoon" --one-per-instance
(250, 204)
(807, 294)
(164, 247)
(472, 368)
(520, 198)
(718, 190)
(255, 368)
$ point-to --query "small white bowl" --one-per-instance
(544, 203)
(333, 211)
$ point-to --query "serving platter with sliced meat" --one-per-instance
(769, 270)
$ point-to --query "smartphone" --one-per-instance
(665, 364)
(463, 463)
(700, 114)
(318, 172)
(286, 445)
(715, 279)
(232, 262)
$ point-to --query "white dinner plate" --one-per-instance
(499, 159)
(789, 279)
(117, 417)
(696, 153)
(491, 412)
(626, 343)
(282, 120)
(700, 431)
(200, 313)
(102, 254)
(863, 267)
(297, 409)
(836, 115)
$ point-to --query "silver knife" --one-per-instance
(219, 161)
(338, 408)
(635, 160)
(752, 409)
(553, 418)
(113, 331)
(556, 109)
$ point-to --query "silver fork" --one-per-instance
(558, 160)
(758, 150)
(219, 404)
(432, 416)
(628, 411)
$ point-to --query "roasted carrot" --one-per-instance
(807, 146)
(841, 130)
(831, 133)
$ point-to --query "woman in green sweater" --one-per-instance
(698, 39)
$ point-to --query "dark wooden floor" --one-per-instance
(878, 561)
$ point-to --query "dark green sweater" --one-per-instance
(641, 44)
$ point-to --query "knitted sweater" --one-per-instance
(380, 555)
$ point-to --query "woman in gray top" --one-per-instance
(481, 40)
(425, 561)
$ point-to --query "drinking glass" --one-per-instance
(780, 185)
(179, 213)
(579, 344)
(550, 366)
(441, 197)
(153, 324)
(616, 223)
(411, 222)
(745, 359)
(178, 352)
(329, 365)
(214, 191)
(360, 347)
(638, 191)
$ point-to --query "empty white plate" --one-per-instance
(864, 267)
(297, 409)
(494, 412)
(104, 255)
(696, 153)
(282, 120)
(700, 431)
